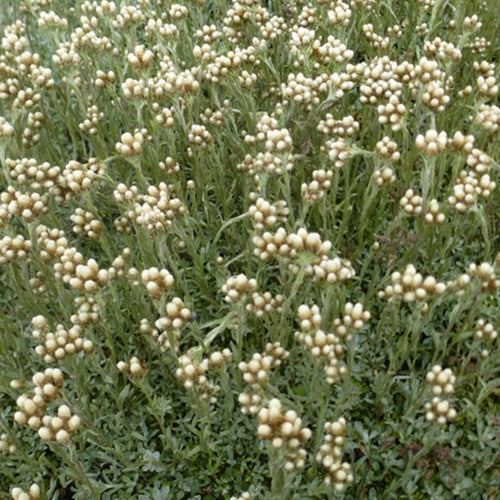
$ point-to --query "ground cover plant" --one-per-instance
(248, 249)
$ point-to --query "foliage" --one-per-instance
(154, 437)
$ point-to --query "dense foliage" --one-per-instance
(248, 246)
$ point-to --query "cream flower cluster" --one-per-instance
(5, 444)
(442, 49)
(135, 367)
(170, 325)
(169, 166)
(92, 118)
(338, 152)
(339, 473)
(278, 140)
(61, 427)
(208, 33)
(119, 263)
(319, 343)
(99, 7)
(472, 22)
(396, 88)
(411, 286)
(434, 96)
(355, 317)
(478, 45)
(317, 188)
(487, 86)
(411, 203)
(484, 272)
(479, 161)
(488, 117)
(284, 430)
(104, 79)
(374, 39)
(441, 380)
(265, 124)
(427, 4)
(383, 176)
(362, 4)
(333, 50)
(72, 269)
(346, 127)
(193, 373)
(61, 343)
(70, 266)
(122, 193)
(301, 90)
(264, 213)
(177, 316)
(157, 282)
(32, 409)
(52, 242)
(77, 177)
(329, 270)
(33, 493)
(87, 312)
(381, 78)
(14, 249)
(36, 176)
(141, 58)
(132, 144)
(48, 383)
(6, 129)
(38, 284)
(200, 137)
(129, 14)
(211, 117)
(439, 410)
(251, 404)
(392, 112)
(486, 332)
(468, 187)
(388, 149)
(257, 370)
(265, 303)
(153, 210)
(31, 133)
(204, 52)
(272, 28)
(433, 215)
(238, 286)
(51, 19)
(289, 246)
(66, 55)
(27, 98)
(163, 339)
(428, 70)
(164, 116)
(86, 223)
(432, 143)
(27, 205)
(265, 162)
(244, 496)
(339, 13)
(462, 143)
(309, 317)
